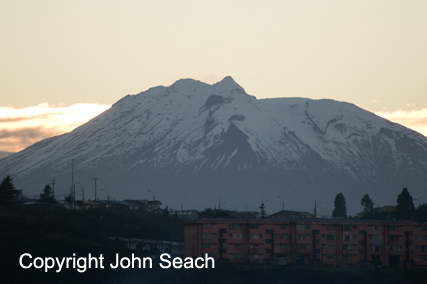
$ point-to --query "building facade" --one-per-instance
(324, 242)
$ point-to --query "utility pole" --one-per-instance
(72, 176)
(53, 187)
(95, 179)
(283, 204)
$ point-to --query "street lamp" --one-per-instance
(108, 195)
(154, 197)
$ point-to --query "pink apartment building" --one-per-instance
(324, 242)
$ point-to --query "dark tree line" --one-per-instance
(404, 209)
(7, 192)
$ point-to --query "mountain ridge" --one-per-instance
(207, 142)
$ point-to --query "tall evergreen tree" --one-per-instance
(340, 207)
(405, 208)
(6, 191)
(367, 204)
(47, 195)
(421, 213)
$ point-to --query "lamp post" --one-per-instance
(108, 195)
(154, 197)
(95, 179)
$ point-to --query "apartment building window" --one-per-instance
(254, 226)
(347, 256)
(423, 248)
(362, 232)
(377, 238)
(237, 246)
(362, 251)
(362, 242)
(283, 246)
(423, 228)
(377, 249)
(269, 241)
(302, 227)
(237, 255)
(254, 256)
(330, 246)
(255, 236)
(236, 235)
(393, 228)
(301, 246)
(268, 250)
(395, 248)
(284, 236)
(222, 241)
(329, 227)
(347, 238)
(300, 236)
(377, 228)
(392, 238)
(330, 256)
(223, 250)
(234, 226)
(347, 228)
(269, 232)
(206, 236)
(421, 238)
(316, 232)
(207, 226)
(330, 237)
(347, 247)
(206, 245)
(283, 226)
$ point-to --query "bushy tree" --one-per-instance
(367, 204)
(69, 199)
(405, 208)
(340, 206)
(47, 195)
(214, 213)
(6, 191)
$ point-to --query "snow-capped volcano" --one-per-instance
(207, 142)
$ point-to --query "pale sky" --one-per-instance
(64, 54)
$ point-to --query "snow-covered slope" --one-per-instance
(207, 142)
